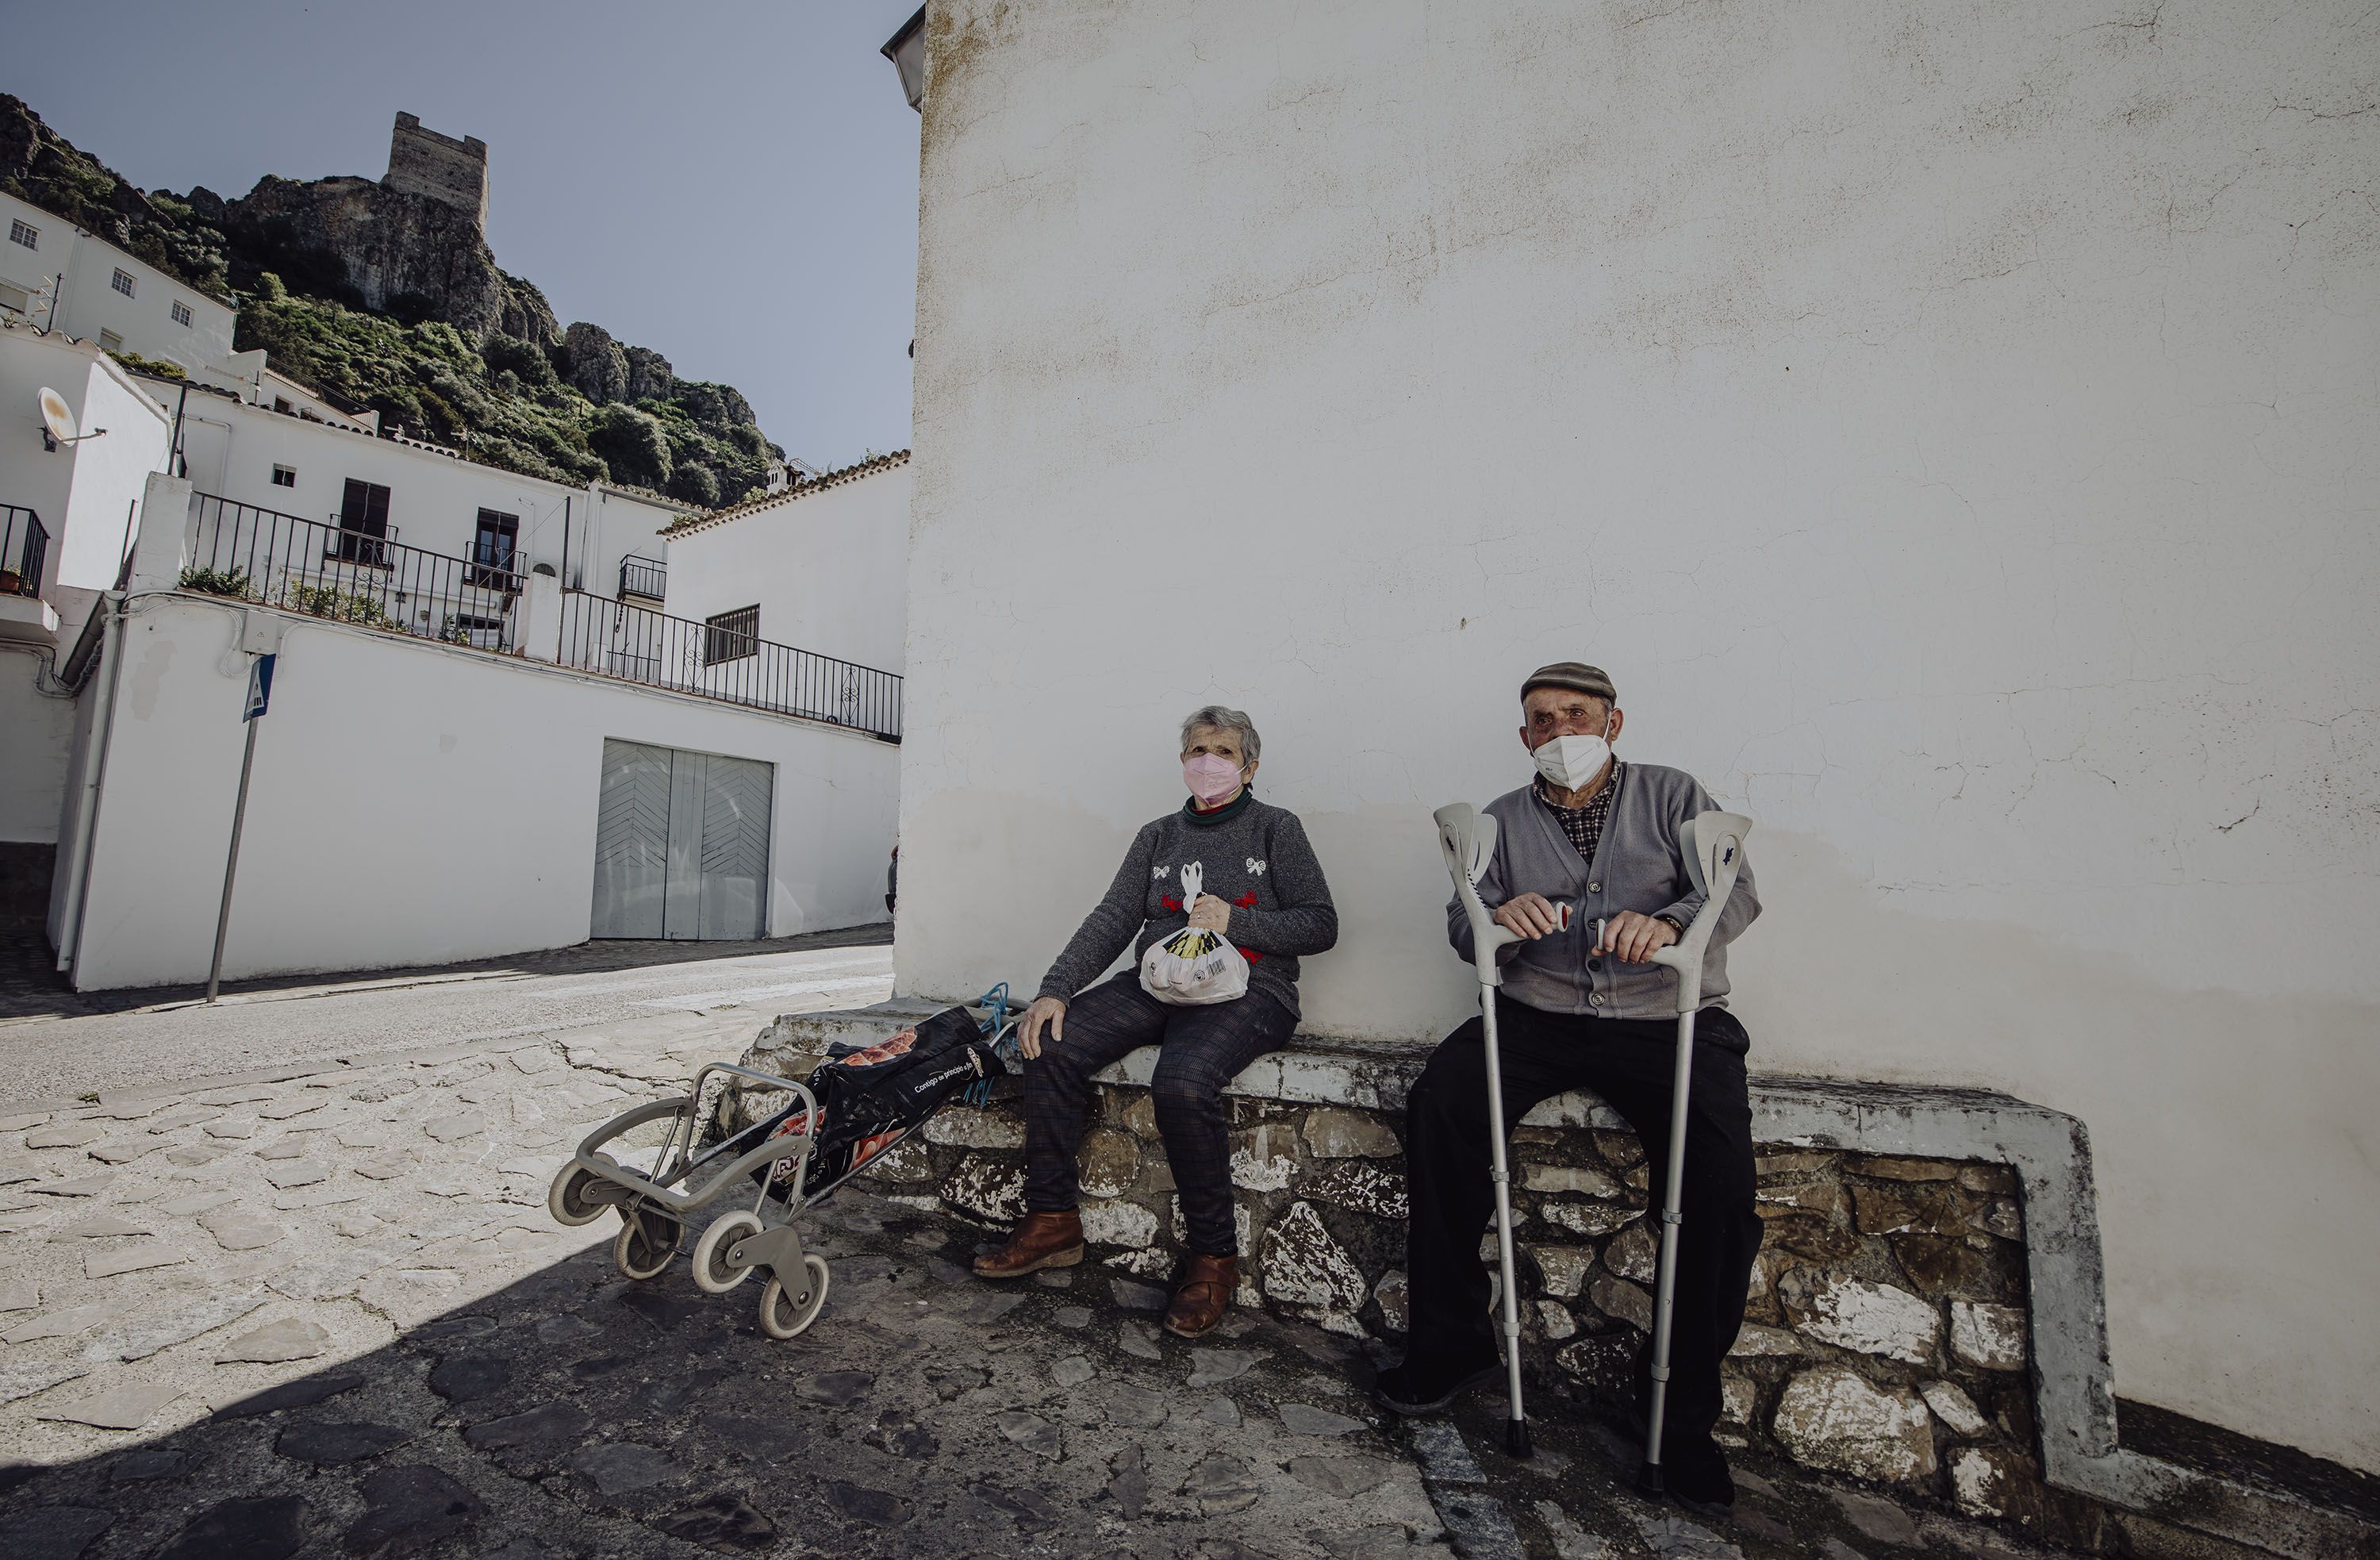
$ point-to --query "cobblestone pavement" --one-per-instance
(57, 1042)
(325, 1311)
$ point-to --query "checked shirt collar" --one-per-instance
(1584, 825)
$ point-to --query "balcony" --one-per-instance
(648, 577)
(24, 549)
(353, 576)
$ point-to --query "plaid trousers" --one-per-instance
(1201, 1049)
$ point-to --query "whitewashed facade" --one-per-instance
(824, 563)
(84, 498)
(1952, 426)
(54, 276)
(435, 500)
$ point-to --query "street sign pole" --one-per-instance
(259, 693)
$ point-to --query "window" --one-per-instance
(110, 342)
(181, 312)
(123, 282)
(22, 233)
(284, 476)
(281, 405)
(13, 300)
(731, 636)
(492, 552)
(363, 524)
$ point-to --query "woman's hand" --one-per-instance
(1045, 1011)
(1210, 914)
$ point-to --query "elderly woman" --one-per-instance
(1262, 889)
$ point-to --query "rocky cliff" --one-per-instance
(386, 299)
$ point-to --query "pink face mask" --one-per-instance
(1211, 776)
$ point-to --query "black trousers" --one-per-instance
(1628, 1063)
(1201, 1049)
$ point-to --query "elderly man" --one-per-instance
(1599, 839)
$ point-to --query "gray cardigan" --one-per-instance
(1638, 865)
(1258, 861)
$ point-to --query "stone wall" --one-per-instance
(454, 173)
(1887, 1336)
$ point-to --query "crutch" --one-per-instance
(1714, 856)
(1467, 839)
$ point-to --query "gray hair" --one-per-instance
(1221, 719)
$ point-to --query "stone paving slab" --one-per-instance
(402, 1354)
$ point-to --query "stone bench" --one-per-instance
(1927, 1311)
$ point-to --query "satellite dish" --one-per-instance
(58, 417)
(58, 424)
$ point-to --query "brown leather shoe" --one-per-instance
(1042, 1241)
(1205, 1295)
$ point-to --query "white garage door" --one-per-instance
(681, 844)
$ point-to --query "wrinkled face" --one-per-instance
(1549, 713)
(1221, 744)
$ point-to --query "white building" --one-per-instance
(56, 276)
(336, 473)
(67, 517)
(416, 801)
(823, 565)
(575, 784)
(1952, 426)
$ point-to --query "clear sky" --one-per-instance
(732, 183)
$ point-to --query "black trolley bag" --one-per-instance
(871, 1097)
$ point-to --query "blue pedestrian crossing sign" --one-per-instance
(259, 687)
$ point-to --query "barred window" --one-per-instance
(181, 312)
(24, 233)
(284, 476)
(731, 636)
(123, 282)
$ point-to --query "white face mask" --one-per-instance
(1571, 762)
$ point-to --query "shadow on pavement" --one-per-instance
(32, 987)
(573, 1412)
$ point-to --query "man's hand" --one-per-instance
(1635, 938)
(1528, 916)
(1210, 914)
(1046, 1011)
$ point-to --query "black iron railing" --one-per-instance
(641, 645)
(274, 559)
(24, 548)
(643, 576)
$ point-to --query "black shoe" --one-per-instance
(1423, 1387)
(1697, 1477)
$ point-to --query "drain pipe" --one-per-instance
(87, 833)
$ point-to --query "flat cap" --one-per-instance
(1575, 674)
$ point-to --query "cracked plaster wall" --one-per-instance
(1953, 426)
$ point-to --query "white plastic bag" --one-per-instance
(1192, 969)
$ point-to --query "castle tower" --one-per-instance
(451, 172)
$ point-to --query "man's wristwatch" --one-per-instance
(1672, 923)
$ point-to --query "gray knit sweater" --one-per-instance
(1257, 861)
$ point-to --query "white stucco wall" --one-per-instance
(413, 803)
(90, 303)
(827, 569)
(1952, 425)
(83, 491)
(35, 734)
(435, 500)
(87, 495)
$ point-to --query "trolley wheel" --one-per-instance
(567, 1199)
(713, 1274)
(648, 1242)
(785, 1313)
